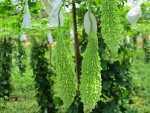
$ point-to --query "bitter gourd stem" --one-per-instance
(89, 12)
(59, 15)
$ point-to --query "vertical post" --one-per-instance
(77, 54)
(76, 44)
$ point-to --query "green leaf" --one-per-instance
(104, 65)
(58, 101)
(3, 82)
(106, 85)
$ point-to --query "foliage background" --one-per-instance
(117, 86)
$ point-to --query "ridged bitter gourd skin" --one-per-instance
(110, 23)
(66, 81)
(90, 87)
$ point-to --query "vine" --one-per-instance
(20, 57)
(5, 66)
(42, 77)
(146, 48)
(135, 41)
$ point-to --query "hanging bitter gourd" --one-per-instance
(90, 87)
(66, 81)
(111, 30)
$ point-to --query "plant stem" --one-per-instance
(59, 15)
(89, 15)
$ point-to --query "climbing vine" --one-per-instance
(6, 47)
(146, 48)
(42, 77)
(20, 57)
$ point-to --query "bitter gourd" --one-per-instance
(111, 30)
(66, 81)
(90, 87)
